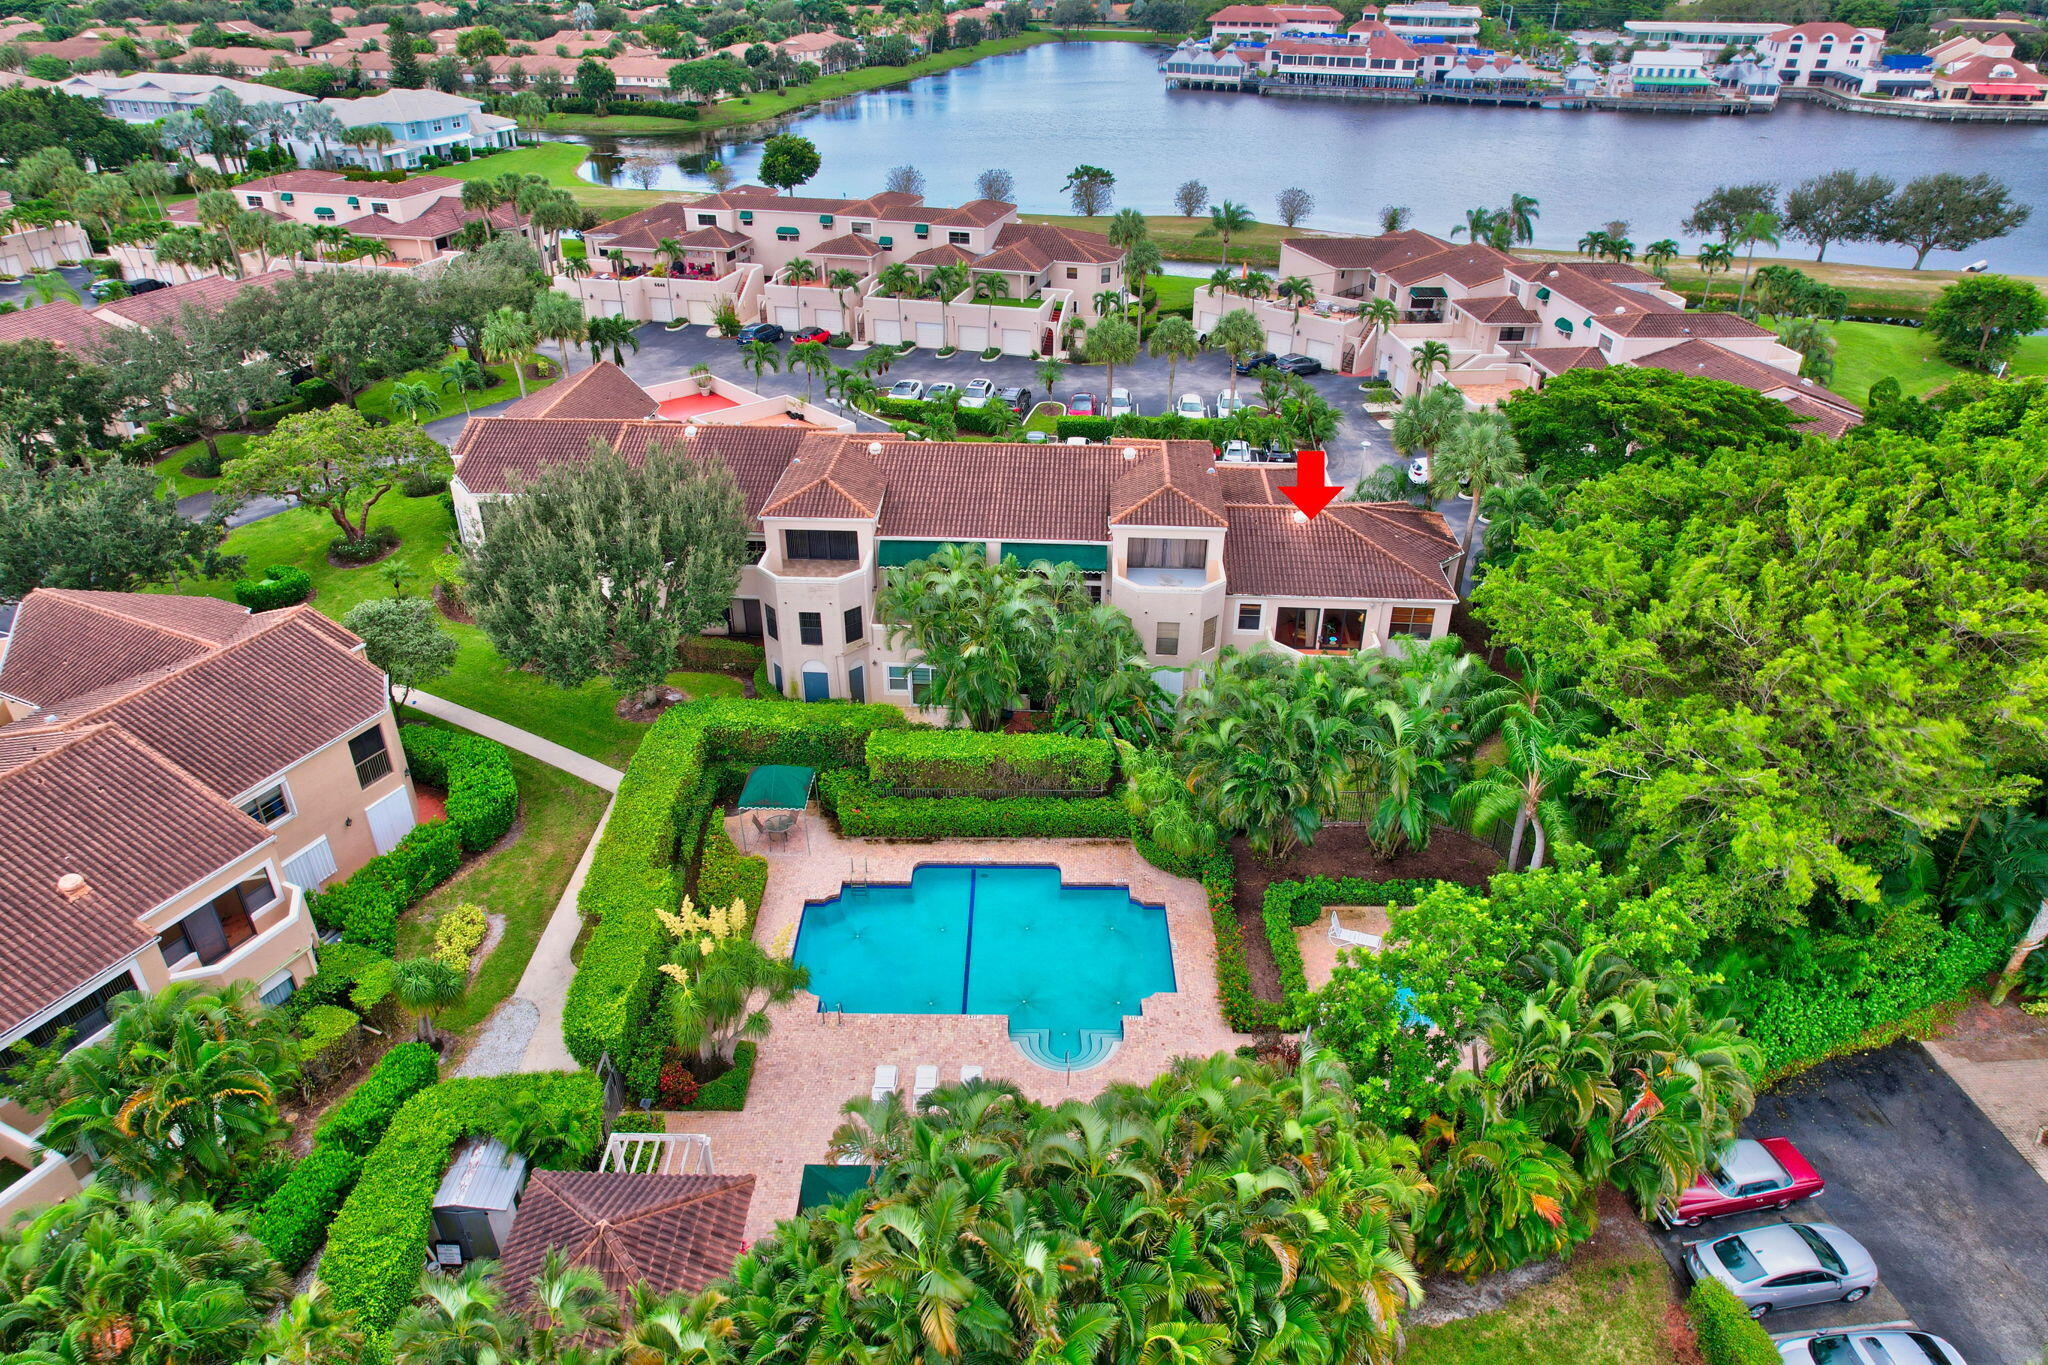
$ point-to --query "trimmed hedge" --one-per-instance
(342, 967)
(865, 811)
(716, 654)
(325, 1027)
(1724, 1330)
(724, 874)
(483, 795)
(662, 805)
(966, 762)
(292, 1223)
(378, 1241)
(1243, 1008)
(358, 1122)
(282, 585)
(366, 907)
(728, 1093)
(1292, 905)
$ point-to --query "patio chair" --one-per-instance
(927, 1081)
(969, 1073)
(1351, 938)
(885, 1083)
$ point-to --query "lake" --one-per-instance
(1039, 112)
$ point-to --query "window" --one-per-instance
(220, 926)
(323, 213)
(1412, 621)
(904, 678)
(755, 550)
(707, 220)
(268, 807)
(278, 989)
(768, 618)
(373, 760)
(1073, 273)
(863, 229)
(1209, 633)
(810, 628)
(1248, 614)
(959, 238)
(254, 201)
(1513, 333)
(854, 632)
(1158, 552)
(1823, 1250)
(376, 207)
(820, 545)
(1105, 274)
(1166, 639)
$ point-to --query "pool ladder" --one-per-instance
(859, 880)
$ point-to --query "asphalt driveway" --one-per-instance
(1956, 1219)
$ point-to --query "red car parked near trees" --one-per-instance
(1749, 1175)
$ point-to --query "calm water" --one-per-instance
(1038, 112)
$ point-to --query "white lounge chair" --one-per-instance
(1351, 938)
(927, 1081)
(969, 1073)
(885, 1083)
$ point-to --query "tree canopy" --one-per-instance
(1585, 423)
(53, 405)
(788, 160)
(335, 460)
(352, 327)
(108, 529)
(1981, 319)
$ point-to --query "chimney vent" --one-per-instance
(71, 886)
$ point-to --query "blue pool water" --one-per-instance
(1066, 964)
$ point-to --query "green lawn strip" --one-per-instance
(557, 162)
(300, 537)
(1611, 1311)
(1174, 292)
(375, 401)
(522, 880)
(171, 473)
(1045, 417)
(1866, 352)
(1182, 239)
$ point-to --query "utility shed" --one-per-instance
(478, 1198)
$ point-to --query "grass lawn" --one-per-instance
(522, 880)
(1605, 1310)
(171, 473)
(1182, 239)
(376, 400)
(1045, 417)
(1866, 352)
(1174, 292)
(557, 163)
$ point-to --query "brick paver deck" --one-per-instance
(813, 1063)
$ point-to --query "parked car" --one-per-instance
(975, 393)
(1037, 438)
(1190, 405)
(1786, 1265)
(1279, 452)
(145, 285)
(1082, 405)
(910, 389)
(759, 331)
(1252, 363)
(1298, 364)
(1016, 399)
(1746, 1176)
(1120, 403)
(937, 393)
(1878, 1346)
(1418, 469)
(818, 334)
(1226, 403)
(1077, 440)
(1238, 452)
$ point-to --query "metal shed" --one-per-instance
(478, 1198)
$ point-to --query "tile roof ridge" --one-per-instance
(1435, 583)
(263, 631)
(62, 736)
(78, 597)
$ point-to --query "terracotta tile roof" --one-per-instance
(846, 244)
(1359, 550)
(643, 230)
(973, 213)
(1468, 265)
(97, 802)
(1501, 310)
(1558, 359)
(497, 454)
(1683, 324)
(68, 642)
(1614, 272)
(62, 323)
(209, 295)
(943, 254)
(828, 476)
(1994, 69)
(1034, 246)
(1369, 253)
(1173, 485)
(1262, 14)
(301, 182)
(602, 390)
(1827, 410)
(670, 1232)
(442, 220)
(715, 237)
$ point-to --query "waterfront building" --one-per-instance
(1196, 65)
(1991, 80)
(147, 96)
(422, 123)
(1675, 71)
(1698, 35)
(1380, 61)
(1964, 46)
(1433, 19)
(1260, 22)
(1811, 54)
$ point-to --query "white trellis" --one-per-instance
(658, 1154)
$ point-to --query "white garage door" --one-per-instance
(931, 334)
(391, 820)
(786, 317)
(1325, 351)
(974, 339)
(886, 332)
(831, 319)
(661, 308)
(1277, 343)
(1017, 341)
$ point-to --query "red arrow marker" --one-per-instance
(1311, 490)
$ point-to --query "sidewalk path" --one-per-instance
(2000, 1059)
(533, 746)
(545, 985)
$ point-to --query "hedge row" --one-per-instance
(366, 907)
(716, 654)
(1243, 1008)
(379, 1239)
(350, 974)
(728, 1093)
(864, 811)
(993, 420)
(662, 803)
(724, 874)
(1724, 1330)
(324, 1028)
(956, 761)
(476, 773)
(281, 585)
(359, 1121)
(1165, 427)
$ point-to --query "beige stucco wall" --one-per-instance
(29, 249)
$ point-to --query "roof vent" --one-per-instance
(1130, 452)
(71, 886)
(690, 432)
(1299, 516)
(874, 447)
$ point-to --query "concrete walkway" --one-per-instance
(545, 986)
(533, 746)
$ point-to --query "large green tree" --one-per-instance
(1950, 211)
(1840, 206)
(502, 273)
(195, 368)
(404, 637)
(1586, 423)
(109, 529)
(788, 160)
(54, 405)
(1981, 319)
(333, 459)
(352, 327)
(603, 567)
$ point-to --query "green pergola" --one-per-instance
(773, 802)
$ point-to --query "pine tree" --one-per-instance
(405, 63)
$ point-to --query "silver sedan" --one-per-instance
(1866, 1346)
(1786, 1265)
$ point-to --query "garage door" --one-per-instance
(786, 317)
(931, 334)
(1325, 351)
(886, 332)
(832, 319)
(661, 308)
(1277, 343)
(1017, 341)
(974, 339)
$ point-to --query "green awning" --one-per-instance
(1087, 558)
(1428, 291)
(894, 554)
(1565, 325)
(1674, 82)
(830, 1184)
(778, 786)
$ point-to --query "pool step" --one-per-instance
(1096, 1046)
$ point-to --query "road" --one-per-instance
(1956, 1219)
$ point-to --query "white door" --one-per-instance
(311, 866)
(887, 332)
(1017, 341)
(1325, 351)
(931, 334)
(832, 319)
(391, 820)
(974, 339)
(661, 308)
(786, 317)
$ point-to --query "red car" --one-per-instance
(1083, 405)
(1749, 1175)
(810, 334)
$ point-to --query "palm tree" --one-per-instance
(1142, 260)
(760, 357)
(1479, 225)
(464, 375)
(947, 281)
(1224, 279)
(1715, 257)
(425, 986)
(731, 990)
(558, 317)
(898, 280)
(669, 249)
(1175, 338)
(1426, 418)
(414, 402)
(1521, 215)
(1431, 357)
(1659, 255)
(310, 1331)
(47, 286)
(813, 359)
(875, 361)
(567, 1303)
(839, 281)
(1527, 785)
(1240, 335)
(799, 271)
(1299, 292)
(612, 333)
(1595, 243)
(1255, 284)
(1482, 451)
(988, 285)
(455, 1318)
(1226, 220)
(375, 137)
(1049, 372)
(321, 126)
(508, 337)
(1127, 227)
(1761, 227)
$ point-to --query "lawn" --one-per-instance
(521, 880)
(1174, 293)
(171, 473)
(1866, 352)
(1183, 239)
(1605, 1310)
(376, 400)
(556, 162)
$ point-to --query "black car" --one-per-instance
(1298, 364)
(145, 287)
(1017, 400)
(1252, 363)
(759, 331)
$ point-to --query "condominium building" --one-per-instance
(1434, 19)
(421, 123)
(1260, 22)
(1698, 35)
(147, 96)
(1811, 53)
(27, 247)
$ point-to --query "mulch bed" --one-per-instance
(1984, 1032)
(629, 707)
(451, 606)
(1342, 851)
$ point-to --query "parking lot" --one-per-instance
(1956, 1219)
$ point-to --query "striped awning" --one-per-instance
(1087, 558)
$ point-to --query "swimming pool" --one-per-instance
(1066, 964)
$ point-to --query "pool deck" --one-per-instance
(811, 1064)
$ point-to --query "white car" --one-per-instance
(1238, 452)
(1077, 440)
(1865, 1346)
(1190, 405)
(911, 389)
(975, 393)
(1225, 404)
(937, 393)
(1120, 404)
(1418, 469)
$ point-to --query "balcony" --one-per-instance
(276, 934)
(1321, 630)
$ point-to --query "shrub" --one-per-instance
(1089, 428)
(1292, 905)
(840, 340)
(963, 761)
(639, 1122)
(325, 1030)
(380, 541)
(1244, 1008)
(366, 907)
(378, 1241)
(372, 988)
(293, 1221)
(341, 966)
(476, 773)
(202, 464)
(317, 393)
(727, 1093)
(1726, 1333)
(724, 874)
(282, 585)
(357, 1124)
(457, 934)
(716, 654)
(678, 1087)
(991, 352)
(866, 812)
(423, 484)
